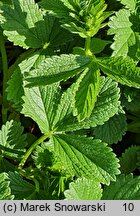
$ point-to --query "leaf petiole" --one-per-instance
(23, 173)
(30, 150)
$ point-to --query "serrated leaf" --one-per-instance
(42, 157)
(122, 70)
(58, 7)
(28, 26)
(24, 24)
(79, 156)
(126, 40)
(5, 191)
(84, 189)
(112, 130)
(64, 108)
(83, 18)
(131, 99)
(128, 160)
(125, 188)
(20, 188)
(130, 4)
(86, 91)
(15, 89)
(121, 27)
(55, 69)
(12, 141)
(40, 104)
(23, 56)
(54, 32)
(105, 107)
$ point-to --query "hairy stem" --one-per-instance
(30, 150)
(5, 76)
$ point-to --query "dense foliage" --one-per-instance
(70, 99)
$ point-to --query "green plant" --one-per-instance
(64, 99)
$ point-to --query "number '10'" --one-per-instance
(128, 207)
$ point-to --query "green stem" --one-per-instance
(87, 46)
(31, 178)
(30, 150)
(36, 185)
(5, 76)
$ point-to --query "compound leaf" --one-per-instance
(12, 141)
(112, 130)
(105, 107)
(79, 156)
(24, 24)
(122, 70)
(125, 188)
(84, 189)
(5, 191)
(128, 160)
